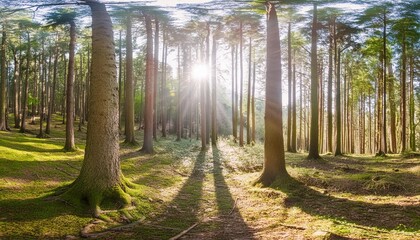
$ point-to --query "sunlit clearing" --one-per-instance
(199, 71)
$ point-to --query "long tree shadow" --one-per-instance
(182, 211)
(234, 227)
(384, 216)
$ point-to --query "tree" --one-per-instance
(67, 16)
(3, 80)
(274, 158)
(128, 86)
(101, 178)
(313, 145)
(148, 110)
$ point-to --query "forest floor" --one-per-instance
(209, 193)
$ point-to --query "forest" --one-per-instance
(209, 119)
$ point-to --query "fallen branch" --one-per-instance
(292, 226)
(234, 206)
(85, 231)
(161, 227)
(184, 232)
(61, 170)
(68, 164)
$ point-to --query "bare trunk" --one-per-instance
(148, 108)
(69, 145)
(129, 87)
(274, 159)
(313, 148)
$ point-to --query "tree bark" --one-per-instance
(69, 145)
(155, 78)
(274, 159)
(289, 88)
(3, 80)
(100, 177)
(26, 87)
(248, 104)
(148, 108)
(214, 91)
(129, 86)
(313, 148)
(241, 83)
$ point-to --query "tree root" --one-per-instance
(85, 232)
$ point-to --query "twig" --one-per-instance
(184, 175)
(84, 232)
(184, 232)
(72, 166)
(292, 226)
(162, 227)
(59, 169)
(234, 206)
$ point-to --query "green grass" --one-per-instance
(360, 197)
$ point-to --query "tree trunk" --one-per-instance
(3, 80)
(120, 72)
(163, 85)
(214, 92)
(274, 159)
(155, 78)
(313, 148)
(241, 83)
(100, 177)
(403, 96)
(69, 145)
(52, 101)
(383, 142)
(411, 107)
(234, 107)
(294, 127)
(248, 104)
(338, 151)
(179, 107)
(26, 87)
(253, 104)
(148, 108)
(289, 87)
(16, 89)
(330, 83)
(129, 87)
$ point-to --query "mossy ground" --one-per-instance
(350, 197)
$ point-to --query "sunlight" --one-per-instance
(200, 71)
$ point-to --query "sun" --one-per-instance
(199, 71)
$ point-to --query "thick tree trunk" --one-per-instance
(129, 87)
(100, 177)
(69, 145)
(148, 108)
(274, 159)
(313, 148)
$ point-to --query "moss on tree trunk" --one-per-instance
(100, 178)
